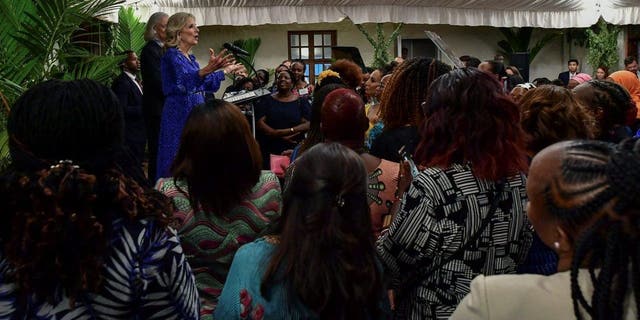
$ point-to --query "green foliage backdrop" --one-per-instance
(602, 42)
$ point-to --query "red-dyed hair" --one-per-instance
(469, 119)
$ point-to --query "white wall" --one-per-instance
(476, 41)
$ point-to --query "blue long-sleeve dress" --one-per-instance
(183, 89)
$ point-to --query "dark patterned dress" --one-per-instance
(210, 240)
(440, 212)
(183, 89)
(146, 276)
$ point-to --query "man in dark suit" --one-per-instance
(153, 100)
(129, 91)
(567, 75)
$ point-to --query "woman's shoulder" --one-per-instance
(255, 253)
(524, 295)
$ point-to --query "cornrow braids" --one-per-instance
(615, 101)
(597, 199)
(58, 226)
(407, 89)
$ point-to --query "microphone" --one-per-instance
(235, 49)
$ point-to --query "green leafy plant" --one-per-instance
(250, 45)
(128, 33)
(602, 42)
(519, 40)
(50, 39)
(381, 43)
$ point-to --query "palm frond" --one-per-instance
(100, 68)
(129, 33)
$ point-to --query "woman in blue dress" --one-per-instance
(184, 83)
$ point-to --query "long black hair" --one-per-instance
(326, 256)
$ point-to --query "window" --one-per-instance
(314, 48)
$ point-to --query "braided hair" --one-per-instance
(596, 199)
(618, 109)
(407, 89)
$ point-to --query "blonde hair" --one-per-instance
(149, 31)
(176, 22)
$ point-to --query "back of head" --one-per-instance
(407, 89)
(326, 256)
(79, 120)
(65, 191)
(343, 118)
(593, 193)
(609, 103)
(469, 119)
(551, 114)
(314, 136)
(218, 157)
(349, 71)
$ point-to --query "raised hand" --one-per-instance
(218, 61)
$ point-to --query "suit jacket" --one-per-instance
(150, 57)
(130, 99)
(564, 76)
(528, 296)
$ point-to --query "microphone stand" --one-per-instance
(250, 110)
(242, 59)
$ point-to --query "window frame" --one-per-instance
(311, 61)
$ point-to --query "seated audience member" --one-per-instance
(221, 197)
(320, 263)
(400, 106)
(602, 73)
(463, 215)
(80, 238)
(611, 106)
(550, 114)
(557, 82)
(344, 121)
(583, 202)
(579, 78)
(630, 82)
(520, 90)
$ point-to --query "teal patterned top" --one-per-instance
(210, 240)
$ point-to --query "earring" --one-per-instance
(556, 245)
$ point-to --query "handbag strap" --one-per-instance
(420, 272)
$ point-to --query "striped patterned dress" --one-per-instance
(439, 213)
(210, 241)
(145, 275)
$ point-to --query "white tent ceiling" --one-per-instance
(497, 13)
